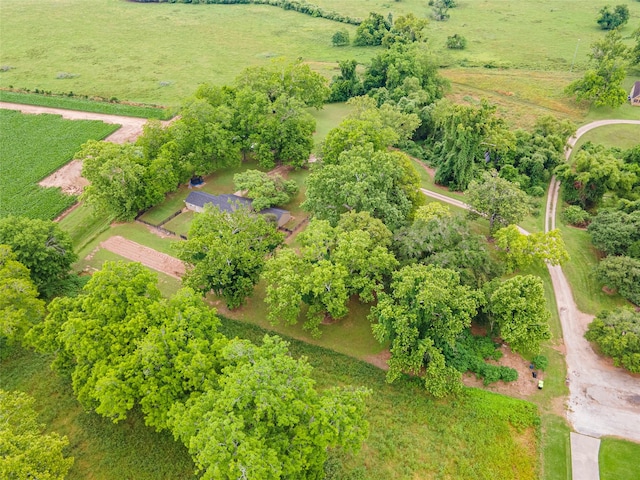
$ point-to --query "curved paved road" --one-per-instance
(604, 400)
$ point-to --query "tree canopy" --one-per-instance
(617, 334)
(266, 420)
(520, 311)
(225, 252)
(25, 451)
(610, 19)
(622, 274)
(265, 190)
(41, 246)
(425, 308)
(385, 184)
(518, 250)
(616, 232)
(498, 200)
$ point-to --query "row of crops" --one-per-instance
(32, 147)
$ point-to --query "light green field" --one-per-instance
(619, 459)
(623, 136)
(32, 147)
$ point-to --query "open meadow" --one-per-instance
(32, 147)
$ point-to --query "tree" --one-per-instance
(519, 309)
(371, 31)
(405, 30)
(622, 274)
(226, 252)
(602, 83)
(41, 246)
(440, 9)
(456, 42)
(617, 334)
(614, 232)
(426, 308)
(469, 134)
(635, 52)
(518, 250)
(446, 241)
(340, 38)
(347, 84)
(265, 190)
(499, 200)
(20, 307)
(385, 184)
(124, 345)
(266, 420)
(334, 263)
(119, 185)
(25, 451)
(611, 19)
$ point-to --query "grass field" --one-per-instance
(556, 448)
(84, 105)
(619, 459)
(478, 435)
(623, 136)
(32, 147)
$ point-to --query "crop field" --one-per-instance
(32, 147)
(159, 53)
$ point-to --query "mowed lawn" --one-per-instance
(412, 436)
(32, 147)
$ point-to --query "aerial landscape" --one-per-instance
(289, 239)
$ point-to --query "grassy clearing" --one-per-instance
(622, 136)
(555, 448)
(618, 459)
(153, 53)
(626, 111)
(84, 105)
(329, 117)
(83, 225)
(32, 147)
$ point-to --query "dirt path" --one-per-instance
(149, 257)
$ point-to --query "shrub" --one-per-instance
(623, 274)
(576, 216)
(340, 38)
(540, 362)
(610, 19)
(456, 42)
(617, 333)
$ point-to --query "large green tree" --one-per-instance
(265, 190)
(385, 184)
(519, 309)
(425, 309)
(468, 135)
(20, 307)
(25, 451)
(266, 420)
(372, 30)
(41, 246)
(334, 263)
(518, 250)
(602, 82)
(610, 19)
(622, 274)
(124, 345)
(615, 232)
(226, 252)
(617, 334)
(498, 200)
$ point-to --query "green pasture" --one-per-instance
(621, 135)
(32, 147)
(555, 448)
(84, 105)
(153, 53)
(477, 435)
(618, 459)
(626, 111)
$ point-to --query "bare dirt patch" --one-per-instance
(380, 360)
(69, 178)
(149, 257)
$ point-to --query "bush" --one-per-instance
(456, 42)
(540, 362)
(576, 216)
(609, 19)
(617, 333)
(623, 274)
(340, 38)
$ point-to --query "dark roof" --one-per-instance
(636, 89)
(228, 203)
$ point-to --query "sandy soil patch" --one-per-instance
(69, 178)
(149, 257)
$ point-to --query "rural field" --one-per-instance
(520, 56)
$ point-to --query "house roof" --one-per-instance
(228, 203)
(635, 91)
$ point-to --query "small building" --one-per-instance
(634, 96)
(228, 203)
